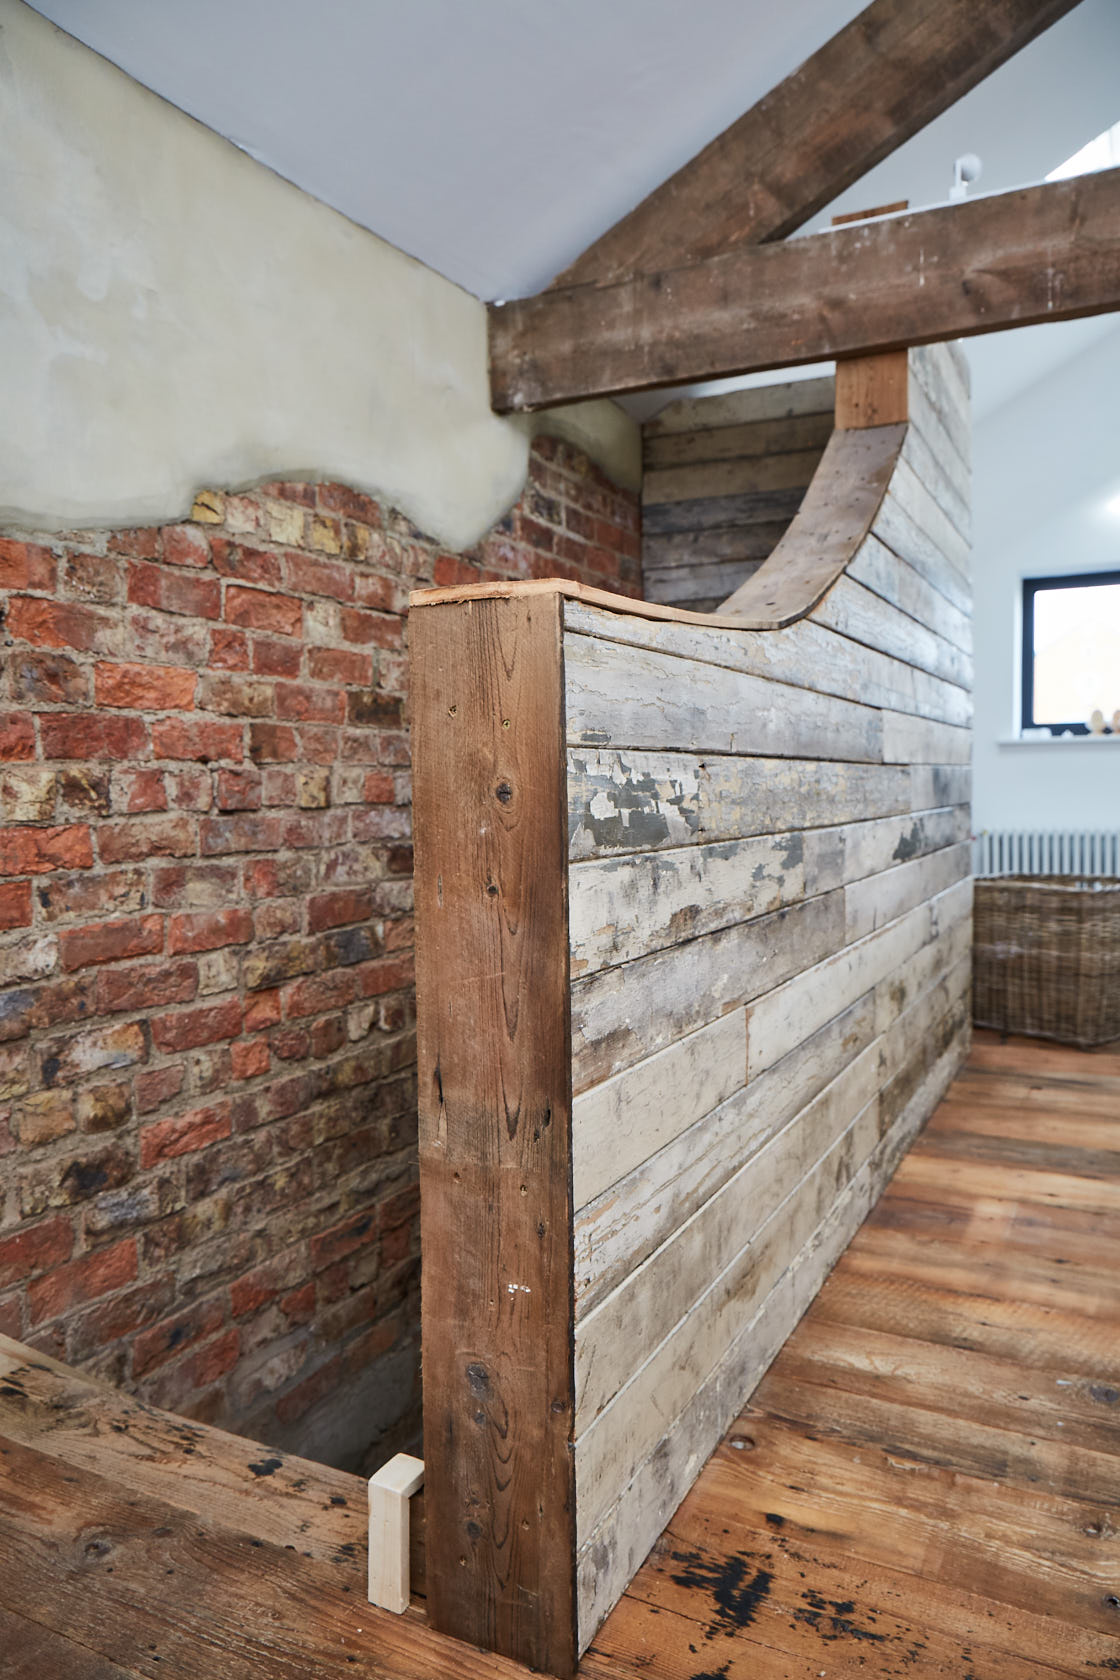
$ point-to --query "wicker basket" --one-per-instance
(1046, 957)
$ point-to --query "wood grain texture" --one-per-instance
(808, 138)
(1044, 253)
(873, 390)
(495, 1105)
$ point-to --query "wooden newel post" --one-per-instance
(495, 1124)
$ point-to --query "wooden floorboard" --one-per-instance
(926, 1484)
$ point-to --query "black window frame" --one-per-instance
(1031, 587)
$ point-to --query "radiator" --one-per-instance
(1022, 852)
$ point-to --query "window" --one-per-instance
(1071, 651)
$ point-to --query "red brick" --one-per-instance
(34, 851)
(55, 624)
(110, 1321)
(163, 1341)
(146, 986)
(385, 974)
(82, 1280)
(191, 1028)
(141, 790)
(299, 1306)
(352, 1233)
(39, 1249)
(111, 941)
(327, 1035)
(191, 790)
(272, 743)
(229, 649)
(195, 886)
(25, 565)
(121, 890)
(17, 736)
(215, 1360)
(335, 909)
(185, 545)
(378, 788)
(308, 1393)
(307, 576)
(197, 738)
(186, 1133)
(249, 1060)
(139, 543)
(309, 702)
(276, 659)
(250, 565)
(258, 609)
(175, 592)
(340, 665)
(209, 930)
(54, 679)
(317, 993)
(157, 688)
(262, 1010)
(81, 735)
(352, 504)
(238, 790)
(15, 904)
(145, 837)
(157, 1086)
(11, 1318)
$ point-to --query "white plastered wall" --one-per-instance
(173, 316)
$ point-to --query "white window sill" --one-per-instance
(1058, 741)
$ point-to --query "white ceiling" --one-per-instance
(496, 139)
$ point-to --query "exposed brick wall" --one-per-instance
(207, 1093)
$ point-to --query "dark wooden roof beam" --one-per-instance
(1044, 253)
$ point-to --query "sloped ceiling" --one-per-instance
(494, 139)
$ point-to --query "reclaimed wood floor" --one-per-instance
(927, 1483)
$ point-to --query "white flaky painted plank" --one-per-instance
(783, 1017)
(911, 523)
(851, 610)
(833, 857)
(881, 570)
(622, 1122)
(625, 907)
(873, 902)
(807, 655)
(633, 697)
(620, 1015)
(915, 740)
(630, 801)
(613, 1553)
(615, 1340)
(616, 1232)
(736, 408)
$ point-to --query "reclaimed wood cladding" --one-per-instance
(722, 479)
(717, 1022)
(769, 903)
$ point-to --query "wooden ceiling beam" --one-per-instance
(1045, 253)
(894, 68)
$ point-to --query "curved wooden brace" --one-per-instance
(834, 519)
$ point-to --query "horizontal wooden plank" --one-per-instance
(613, 1025)
(939, 471)
(620, 908)
(737, 442)
(870, 903)
(913, 740)
(851, 610)
(615, 1341)
(834, 857)
(613, 1553)
(615, 1233)
(196, 1467)
(806, 655)
(735, 476)
(911, 524)
(750, 406)
(625, 801)
(622, 1122)
(710, 581)
(788, 1013)
(714, 543)
(747, 507)
(907, 279)
(635, 697)
(940, 388)
(879, 569)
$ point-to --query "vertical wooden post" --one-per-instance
(872, 390)
(495, 1137)
(389, 1574)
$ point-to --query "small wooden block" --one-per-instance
(389, 1493)
(873, 390)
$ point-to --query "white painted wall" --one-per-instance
(173, 316)
(1046, 464)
